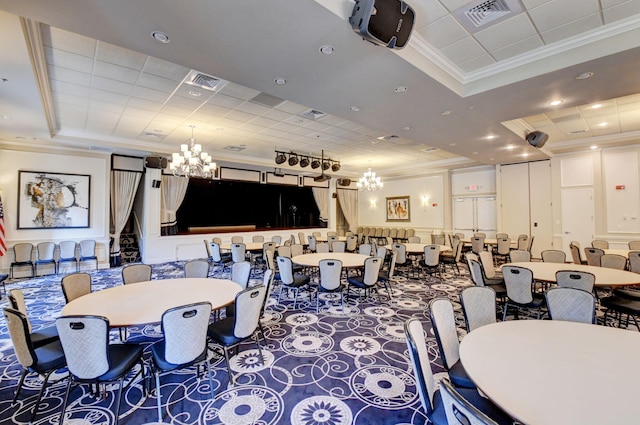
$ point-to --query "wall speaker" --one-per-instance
(344, 182)
(155, 184)
(537, 139)
(155, 162)
(383, 22)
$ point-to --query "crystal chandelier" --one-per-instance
(192, 161)
(369, 181)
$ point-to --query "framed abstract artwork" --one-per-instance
(398, 208)
(53, 200)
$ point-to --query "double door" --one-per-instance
(475, 214)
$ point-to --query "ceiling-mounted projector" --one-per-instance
(322, 178)
(383, 22)
(537, 139)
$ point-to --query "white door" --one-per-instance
(463, 216)
(486, 215)
(473, 214)
(577, 217)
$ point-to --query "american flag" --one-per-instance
(3, 243)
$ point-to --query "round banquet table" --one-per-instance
(556, 372)
(418, 248)
(604, 276)
(144, 302)
(491, 241)
(313, 260)
(248, 246)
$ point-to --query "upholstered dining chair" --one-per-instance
(241, 272)
(478, 306)
(364, 249)
(574, 247)
(45, 256)
(613, 261)
(477, 244)
(23, 253)
(600, 244)
(184, 344)
(237, 239)
(134, 273)
(290, 281)
(257, 238)
(217, 258)
(520, 293)
(91, 359)
(368, 279)
(553, 256)
(430, 396)
(88, 252)
(478, 278)
(491, 277)
(593, 256)
(352, 243)
(322, 247)
(196, 268)
(338, 246)
(277, 239)
(311, 243)
(67, 254)
(575, 279)
(634, 261)
(444, 326)
(386, 275)
(430, 262)
(634, 245)
(459, 410)
(571, 304)
(519, 256)
(39, 337)
(503, 248)
(329, 281)
(452, 258)
(75, 285)
(267, 281)
(43, 359)
(231, 331)
(238, 252)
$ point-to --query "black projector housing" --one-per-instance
(322, 178)
(537, 139)
(383, 22)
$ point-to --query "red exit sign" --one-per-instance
(620, 187)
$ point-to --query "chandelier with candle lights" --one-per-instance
(369, 181)
(192, 161)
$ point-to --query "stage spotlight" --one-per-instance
(293, 159)
(335, 166)
(304, 162)
(280, 158)
(326, 165)
(315, 163)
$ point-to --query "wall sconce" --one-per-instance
(425, 202)
(372, 203)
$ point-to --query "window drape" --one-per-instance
(321, 195)
(172, 194)
(124, 185)
(349, 204)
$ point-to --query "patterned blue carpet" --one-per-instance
(329, 368)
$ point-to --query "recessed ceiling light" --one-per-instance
(354, 108)
(161, 37)
(406, 127)
(594, 147)
(326, 49)
(603, 124)
(555, 102)
(21, 138)
(584, 75)
(525, 154)
(374, 142)
(445, 113)
(596, 106)
(280, 81)
(195, 93)
(5, 117)
(474, 153)
(509, 147)
(401, 89)
(452, 144)
(490, 137)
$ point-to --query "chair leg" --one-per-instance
(24, 375)
(37, 405)
(118, 400)
(231, 378)
(158, 396)
(259, 348)
(213, 393)
(64, 402)
(504, 313)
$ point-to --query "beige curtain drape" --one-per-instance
(321, 195)
(172, 194)
(349, 204)
(124, 185)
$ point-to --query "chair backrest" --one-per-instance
(444, 326)
(267, 282)
(316, 234)
(477, 274)
(238, 252)
(575, 253)
(44, 251)
(301, 238)
(268, 246)
(371, 270)
(196, 268)
(22, 252)
(575, 279)
(518, 281)
(185, 332)
(322, 247)
(207, 247)
(389, 240)
(504, 246)
(338, 246)
(530, 244)
(75, 285)
(458, 247)
(437, 239)
(330, 273)
(613, 261)
(414, 239)
(432, 255)
(458, 410)
(312, 242)
(16, 299)
(593, 256)
(249, 302)
(634, 261)
(480, 235)
(571, 304)
(284, 251)
(257, 238)
(477, 244)
(85, 341)
(67, 250)
(237, 239)
(392, 264)
(599, 243)
(136, 273)
(553, 256)
(634, 245)
(217, 240)
(19, 331)
(214, 248)
(296, 249)
(401, 249)
(417, 345)
(240, 273)
(364, 249)
(352, 243)
(519, 256)
(502, 235)
(523, 242)
(486, 258)
(479, 306)
(381, 252)
(277, 239)
(285, 267)
(87, 248)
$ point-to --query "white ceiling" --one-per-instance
(90, 75)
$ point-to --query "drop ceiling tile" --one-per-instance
(149, 94)
(224, 100)
(630, 120)
(176, 111)
(443, 32)
(70, 99)
(211, 111)
(264, 122)
(454, 4)
(634, 98)
(276, 115)
(576, 27)
(240, 116)
(626, 107)
(144, 104)
(101, 122)
(495, 37)
(98, 105)
(427, 11)
(252, 128)
(463, 50)
(238, 91)
(190, 104)
(556, 13)
(606, 109)
(118, 56)
(70, 117)
(477, 63)
(69, 76)
(69, 60)
(115, 72)
(316, 126)
(253, 108)
(621, 11)
(611, 3)
(165, 69)
(155, 82)
(68, 41)
(113, 85)
(518, 48)
(164, 120)
(61, 87)
(530, 4)
(138, 114)
(291, 107)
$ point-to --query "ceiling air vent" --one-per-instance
(205, 81)
(481, 14)
(313, 114)
(234, 148)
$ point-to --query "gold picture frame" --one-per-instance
(398, 208)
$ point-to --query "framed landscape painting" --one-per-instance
(398, 208)
(53, 200)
